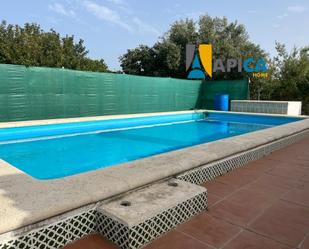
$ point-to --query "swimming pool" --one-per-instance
(59, 150)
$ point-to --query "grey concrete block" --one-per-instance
(133, 220)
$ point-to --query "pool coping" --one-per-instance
(85, 119)
(13, 124)
(25, 200)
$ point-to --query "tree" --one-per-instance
(31, 46)
(167, 56)
(289, 77)
(138, 61)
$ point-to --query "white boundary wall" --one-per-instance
(292, 108)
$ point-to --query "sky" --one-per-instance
(110, 27)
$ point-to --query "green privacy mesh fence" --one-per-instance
(44, 93)
(236, 89)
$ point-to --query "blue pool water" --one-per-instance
(54, 151)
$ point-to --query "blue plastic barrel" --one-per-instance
(222, 102)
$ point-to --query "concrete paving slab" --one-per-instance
(150, 201)
(134, 219)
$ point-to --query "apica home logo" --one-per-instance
(199, 62)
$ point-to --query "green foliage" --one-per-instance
(167, 56)
(138, 61)
(288, 72)
(31, 46)
(289, 77)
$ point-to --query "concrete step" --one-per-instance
(133, 220)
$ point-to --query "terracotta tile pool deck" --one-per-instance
(262, 205)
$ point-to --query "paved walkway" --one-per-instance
(264, 205)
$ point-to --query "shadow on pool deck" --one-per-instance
(263, 205)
